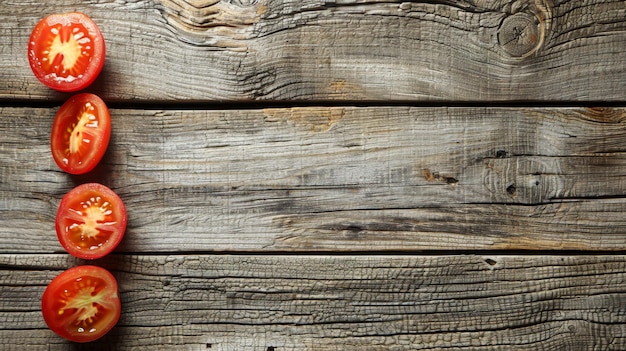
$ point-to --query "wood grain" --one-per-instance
(303, 50)
(241, 303)
(330, 227)
(335, 179)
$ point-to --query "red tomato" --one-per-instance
(82, 303)
(91, 221)
(80, 133)
(66, 51)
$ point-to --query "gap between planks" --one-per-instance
(374, 253)
(255, 105)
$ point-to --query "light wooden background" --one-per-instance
(336, 175)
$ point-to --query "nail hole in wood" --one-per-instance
(451, 180)
(511, 190)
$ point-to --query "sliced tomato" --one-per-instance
(90, 221)
(80, 133)
(82, 303)
(66, 51)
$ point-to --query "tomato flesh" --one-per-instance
(80, 133)
(66, 51)
(82, 303)
(91, 221)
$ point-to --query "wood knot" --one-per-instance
(217, 23)
(523, 30)
(520, 34)
(435, 176)
(604, 114)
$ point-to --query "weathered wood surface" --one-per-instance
(253, 50)
(264, 229)
(261, 303)
(335, 179)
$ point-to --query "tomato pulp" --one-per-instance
(80, 133)
(90, 221)
(82, 303)
(66, 51)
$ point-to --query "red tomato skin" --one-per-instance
(76, 243)
(68, 121)
(71, 329)
(92, 53)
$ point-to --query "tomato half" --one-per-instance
(90, 221)
(66, 51)
(80, 133)
(82, 303)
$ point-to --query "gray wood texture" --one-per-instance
(335, 179)
(260, 303)
(335, 175)
(276, 50)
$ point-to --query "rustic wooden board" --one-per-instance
(330, 227)
(335, 179)
(252, 50)
(243, 303)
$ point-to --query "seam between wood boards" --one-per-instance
(254, 105)
(382, 253)
(374, 253)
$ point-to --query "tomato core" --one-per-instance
(66, 51)
(80, 133)
(82, 303)
(91, 221)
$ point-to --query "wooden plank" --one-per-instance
(335, 179)
(242, 303)
(173, 50)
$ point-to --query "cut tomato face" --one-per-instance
(80, 133)
(90, 221)
(82, 303)
(66, 51)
